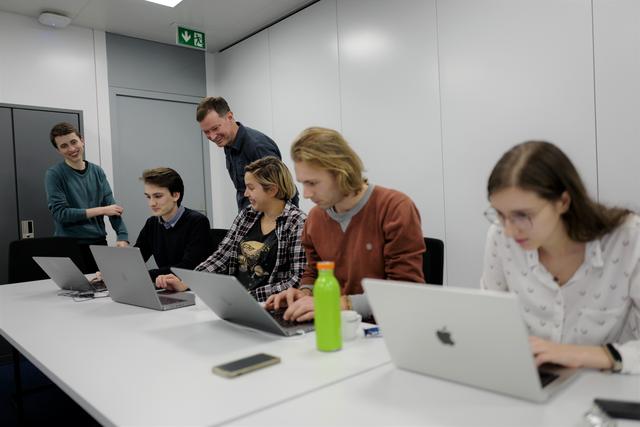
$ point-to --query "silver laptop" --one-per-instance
(469, 336)
(64, 273)
(126, 276)
(226, 296)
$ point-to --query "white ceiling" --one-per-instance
(223, 21)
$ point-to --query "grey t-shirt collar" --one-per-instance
(344, 218)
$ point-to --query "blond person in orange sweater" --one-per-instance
(366, 229)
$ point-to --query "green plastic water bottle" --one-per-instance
(326, 300)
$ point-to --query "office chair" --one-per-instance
(22, 267)
(433, 261)
(217, 234)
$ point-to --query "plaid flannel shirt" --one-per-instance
(290, 258)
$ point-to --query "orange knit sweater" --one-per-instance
(384, 240)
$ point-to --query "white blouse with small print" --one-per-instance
(600, 304)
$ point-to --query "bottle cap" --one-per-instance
(326, 265)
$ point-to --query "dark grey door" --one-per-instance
(156, 132)
(8, 213)
(34, 155)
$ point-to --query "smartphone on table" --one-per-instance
(245, 365)
(619, 408)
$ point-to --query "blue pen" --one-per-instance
(373, 331)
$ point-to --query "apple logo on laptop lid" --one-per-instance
(444, 336)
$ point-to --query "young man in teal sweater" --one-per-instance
(79, 195)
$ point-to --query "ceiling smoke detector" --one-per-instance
(54, 19)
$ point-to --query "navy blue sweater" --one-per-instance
(185, 245)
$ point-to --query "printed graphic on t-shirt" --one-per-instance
(251, 252)
(256, 257)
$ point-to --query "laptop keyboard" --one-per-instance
(277, 315)
(98, 285)
(546, 378)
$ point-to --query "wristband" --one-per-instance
(614, 356)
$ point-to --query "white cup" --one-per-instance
(350, 321)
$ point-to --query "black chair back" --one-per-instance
(433, 261)
(217, 234)
(22, 267)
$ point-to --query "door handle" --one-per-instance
(26, 229)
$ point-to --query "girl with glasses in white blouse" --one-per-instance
(574, 263)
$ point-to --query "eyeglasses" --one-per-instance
(520, 220)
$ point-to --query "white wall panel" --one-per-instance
(390, 98)
(241, 76)
(50, 67)
(510, 71)
(304, 75)
(617, 67)
(102, 100)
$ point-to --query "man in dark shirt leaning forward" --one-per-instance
(242, 145)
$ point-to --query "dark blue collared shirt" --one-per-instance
(249, 146)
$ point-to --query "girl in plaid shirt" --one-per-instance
(263, 247)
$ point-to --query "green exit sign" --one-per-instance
(191, 38)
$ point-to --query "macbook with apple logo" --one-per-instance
(231, 301)
(64, 273)
(470, 336)
(128, 281)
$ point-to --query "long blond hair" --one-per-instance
(327, 149)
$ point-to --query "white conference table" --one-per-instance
(129, 365)
(133, 366)
(388, 396)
